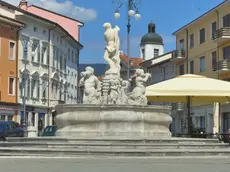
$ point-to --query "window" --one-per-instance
(25, 51)
(65, 66)
(35, 29)
(52, 90)
(61, 63)
(202, 64)
(191, 65)
(57, 59)
(36, 52)
(202, 122)
(213, 29)
(181, 44)
(156, 52)
(202, 35)
(214, 58)
(173, 68)
(181, 69)
(72, 57)
(10, 118)
(68, 54)
(44, 89)
(33, 88)
(143, 53)
(28, 88)
(54, 51)
(38, 89)
(226, 52)
(226, 21)
(12, 51)
(76, 58)
(3, 117)
(34, 47)
(11, 86)
(44, 55)
(44, 31)
(191, 41)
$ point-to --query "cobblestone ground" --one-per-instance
(193, 164)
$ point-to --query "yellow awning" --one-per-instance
(199, 88)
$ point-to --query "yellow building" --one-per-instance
(206, 44)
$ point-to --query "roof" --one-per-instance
(198, 18)
(134, 62)
(13, 22)
(40, 18)
(56, 13)
(147, 61)
(152, 37)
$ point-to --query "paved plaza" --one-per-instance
(187, 164)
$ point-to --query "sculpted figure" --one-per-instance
(92, 86)
(114, 91)
(124, 89)
(137, 96)
(112, 49)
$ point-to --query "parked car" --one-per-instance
(50, 130)
(10, 129)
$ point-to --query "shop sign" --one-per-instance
(8, 108)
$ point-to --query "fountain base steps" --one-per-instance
(78, 147)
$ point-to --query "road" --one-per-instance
(191, 164)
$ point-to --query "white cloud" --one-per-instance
(66, 8)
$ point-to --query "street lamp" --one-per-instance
(24, 45)
(133, 6)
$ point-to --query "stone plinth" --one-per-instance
(31, 131)
(84, 120)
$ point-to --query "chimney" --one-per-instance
(23, 5)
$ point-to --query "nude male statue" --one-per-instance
(112, 49)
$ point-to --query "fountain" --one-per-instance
(107, 109)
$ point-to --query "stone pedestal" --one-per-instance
(112, 120)
(31, 131)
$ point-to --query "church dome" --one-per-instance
(152, 37)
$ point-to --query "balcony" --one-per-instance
(222, 66)
(178, 106)
(222, 34)
(178, 55)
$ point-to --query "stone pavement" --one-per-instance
(113, 164)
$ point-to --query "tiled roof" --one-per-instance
(134, 62)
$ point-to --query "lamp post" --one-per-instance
(133, 11)
(24, 45)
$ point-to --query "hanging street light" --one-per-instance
(133, 11)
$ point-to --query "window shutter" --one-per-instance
(38, 89)
(28, 87)
(38, 53)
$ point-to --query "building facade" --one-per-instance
(9, 29)
(47, 66)
(206, 44)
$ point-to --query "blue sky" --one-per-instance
(168, 15)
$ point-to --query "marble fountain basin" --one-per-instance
(84, 120)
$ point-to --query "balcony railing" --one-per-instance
(178, 106)
(178, 55)
(222, 66)
(222, 33)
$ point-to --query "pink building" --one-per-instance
(72, 26)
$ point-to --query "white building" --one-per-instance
(151, 43)
(47, 66)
